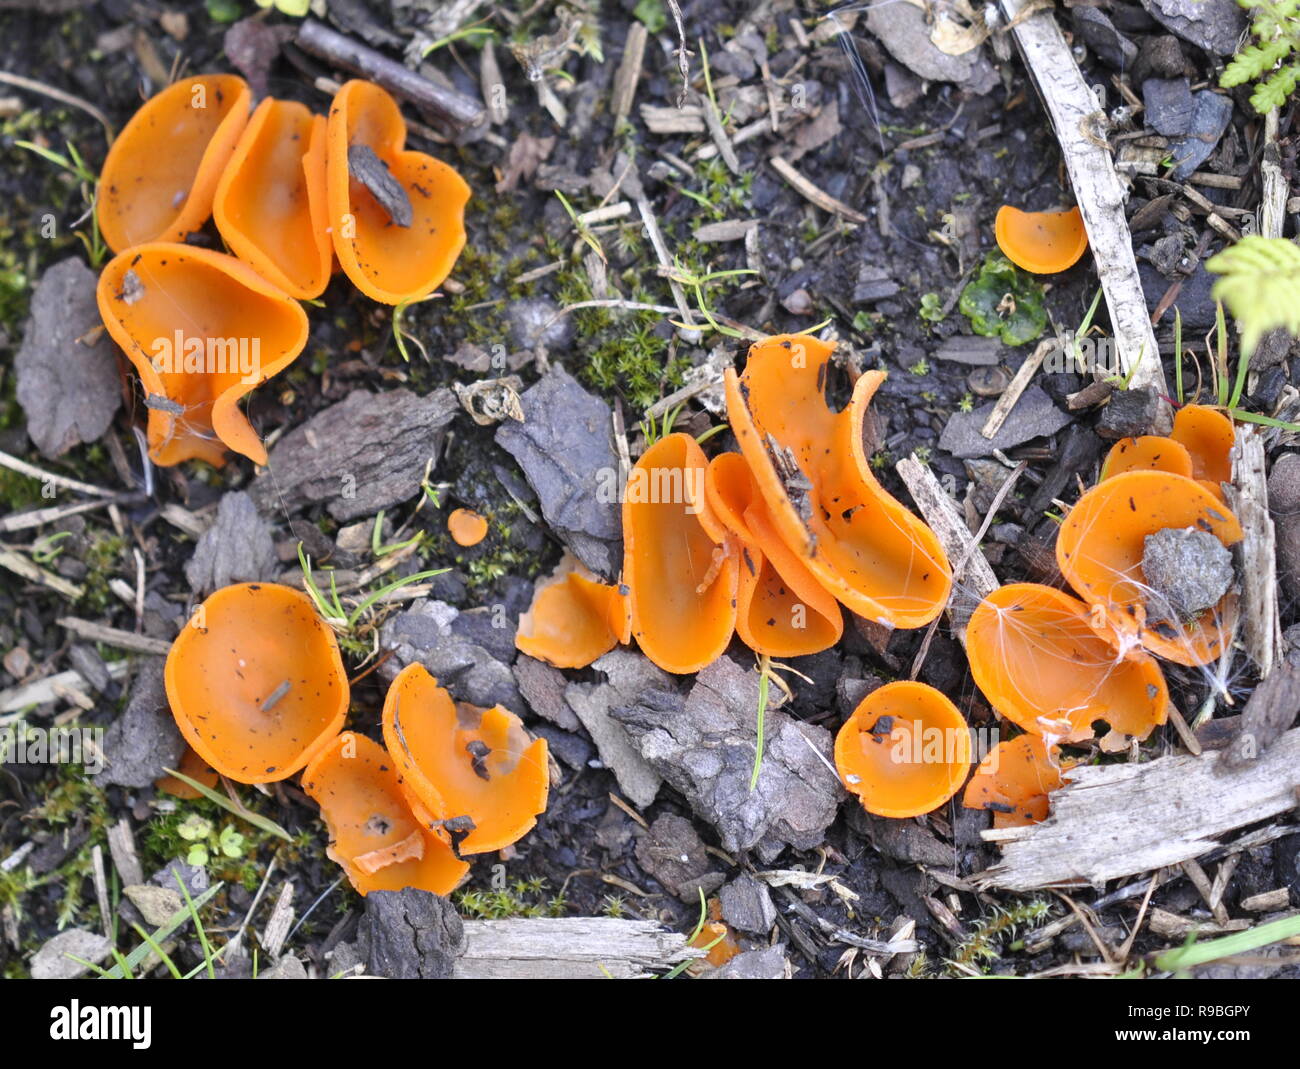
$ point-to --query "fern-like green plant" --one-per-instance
(1260, 285)
(1273, 59)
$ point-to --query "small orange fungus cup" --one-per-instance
(390, 263)
(255, 682)
(196, 768)
(1014, 781)
(202, 329)
(862, 545)
(1208, 437)
(781, 608)
(466, 527)
(457, 761)
(270, 202)
(162, 170)
(905, 750)
(373, 834)
(681, 573)
(571, 622)
(1101, 545)
(1043, 243)
(1151, 452)
(1036, 657)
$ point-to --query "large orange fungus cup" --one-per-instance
(270, 202)
(161, 172)
(676, 561)
(1036, 657)
(781, 608)
(571, 622)
(202, 329)
(389, 259)
(862, 545)
(1100, 550)
(255, 682)
(1043, 243)
(1015, 779)
(905, 750)
(373, 834)
(463, 768)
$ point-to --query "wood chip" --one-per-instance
(563, 948)
(810, 192)
(112, 636)
(1268, 901)
(280, 922)
(1248, 498)
(629, 72)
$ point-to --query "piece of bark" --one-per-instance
(411, 935)
(1257, 552)
(237, 548)
(1120, 820)
(1271, 710)
(568, 948)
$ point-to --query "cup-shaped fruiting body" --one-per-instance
(192, 766)
(270, 202)
(863, 546)
(781, 608)
(676, 561)
(467, 527)
(162, 170)
(1101, 547)
(1014, 781)
(373, 834)
(1041, 242)
(571, 621)
(1151, 452)
(390, 257)
(202, 329)
(461, 767)
(1208, 437)
(905, 750)
(255, 682)
(1038, 660)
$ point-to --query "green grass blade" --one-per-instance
(256, 819)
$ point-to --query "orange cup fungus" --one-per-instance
(1043, 243)
(1100, 550)
(162, 170)
(202, 329)
(1035, 655)
(1208, 437)
(1014, 781)
(781, 608)
(255, 682)
(676, 562)
(373, 834)
(863, 546)
(571, 622)
(466, 527)
(1151, 452)
(196, 768)
(905, 750)
(462, 767)
(389, 258)
(270, 202)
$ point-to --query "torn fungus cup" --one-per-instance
(676, 561)
(870, 552)
(1043, 243)
(389, 257)
(1035, 655)
(255, 682)
(1151, 452)
(373, 834)
(1100, 549)
(571, 622)
(463, 768)
(1208, 437)
(202, 329)
(270, 202)
(781, 608)
(162, 170)
(466, 527)
(905, 750)
(1014, 781)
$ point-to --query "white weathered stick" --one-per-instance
(1120, 820)
(1080, 130)
(568, 948)
(1248, 498)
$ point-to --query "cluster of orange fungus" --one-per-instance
(270, 202)
(1038, 660)
(905, 750)
(1014, 780)
(1100, 549)
(202, 329)
(373, 833)
(461, 767)
(1043, 243)
(256, 683)
(573, 619)
(162, 170)
(387, 260)
(822, 499)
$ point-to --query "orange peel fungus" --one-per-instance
(1015, 779)
(1043, 243)
(570, 623)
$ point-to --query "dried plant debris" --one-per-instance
(143, 740)
(237, 548)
